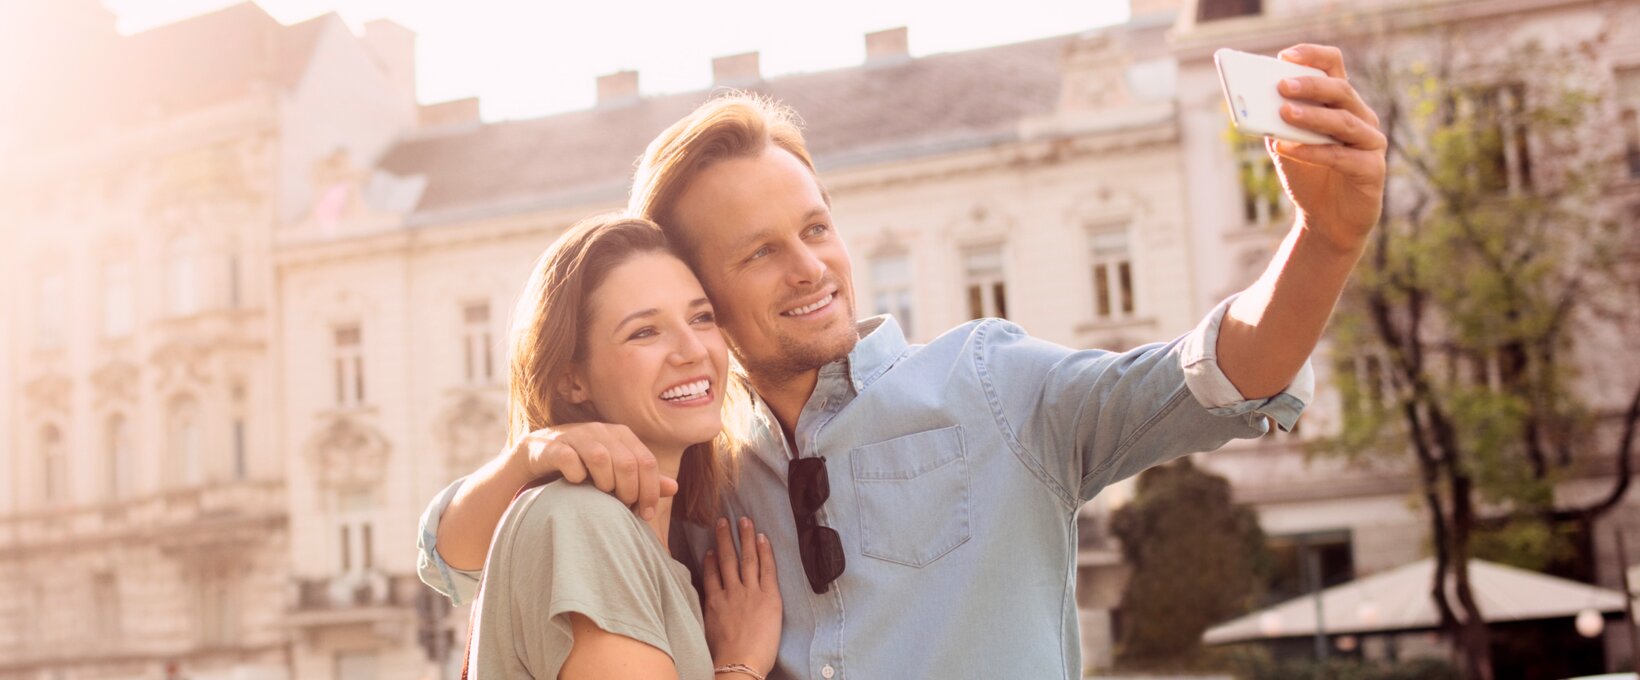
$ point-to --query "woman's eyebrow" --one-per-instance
(640, 313)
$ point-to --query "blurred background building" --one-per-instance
(255, 299)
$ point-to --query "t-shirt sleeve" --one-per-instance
(582, 552)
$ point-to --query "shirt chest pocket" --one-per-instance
(913, 496)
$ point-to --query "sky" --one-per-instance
(528, 58)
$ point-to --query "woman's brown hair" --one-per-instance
(549, 336)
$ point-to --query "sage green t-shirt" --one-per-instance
(564, 548)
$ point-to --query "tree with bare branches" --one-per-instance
(1467, 337)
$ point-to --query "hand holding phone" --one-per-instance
(1249, 82)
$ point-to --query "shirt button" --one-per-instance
(827, 672)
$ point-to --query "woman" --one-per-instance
(612, 327)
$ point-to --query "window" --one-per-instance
(349, 367)
(1262, 199)
(50, 311)
(218, 610)
(353, 531)
(106, 594)
(1303, 563)
(119, 301)
(239, 466)
(1628, 103)
(479, 350)
(355, 666)
(987, 290)
(233, 282)
(1111, 263)
(53, 467)
(1210, 10)
(182, 284)
(1368, 384)
(1503, 160)
(117, 447)
(891, 287)
(185, 467)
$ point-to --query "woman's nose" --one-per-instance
(689, 349)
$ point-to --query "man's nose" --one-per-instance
(806, 268)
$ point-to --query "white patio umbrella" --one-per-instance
(1399, 600)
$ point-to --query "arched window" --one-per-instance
(117, 466)
(53, 467)
(182, 275)
(185, 466)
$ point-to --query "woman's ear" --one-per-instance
(572, 386)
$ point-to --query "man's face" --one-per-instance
(774, 265)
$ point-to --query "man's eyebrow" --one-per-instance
(756, 237)
(764, 234)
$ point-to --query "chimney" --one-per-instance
(395, 47)
(1152, 9)
(736, 70)
(618, 89)
(887, 47)
(453, 112)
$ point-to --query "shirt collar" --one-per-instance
(881, 344)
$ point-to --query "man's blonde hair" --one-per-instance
(736, 125)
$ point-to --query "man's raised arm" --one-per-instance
(1273, 326)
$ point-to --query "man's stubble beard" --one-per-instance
(799, 355)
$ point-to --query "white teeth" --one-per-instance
(805, 310)
(687, 391)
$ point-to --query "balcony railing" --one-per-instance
(175, 509)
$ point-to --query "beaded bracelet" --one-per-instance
(737, 668)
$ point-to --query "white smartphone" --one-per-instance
(1249, 82)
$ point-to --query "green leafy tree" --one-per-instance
(1496, 264)
(1196, 559)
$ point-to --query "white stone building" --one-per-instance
(145, 528)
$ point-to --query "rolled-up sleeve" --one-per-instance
(1213, 390)
(459, 585)
(1084, 419)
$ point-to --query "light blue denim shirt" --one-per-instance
(957, 468)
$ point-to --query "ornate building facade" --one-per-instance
(146, 519)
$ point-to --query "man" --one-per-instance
(921, 501)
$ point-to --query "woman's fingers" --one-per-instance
(714, 579)
(726, 556)
(748, 554)
(765, 556)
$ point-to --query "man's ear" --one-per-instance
(572, 386)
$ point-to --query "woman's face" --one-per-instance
(655, 361)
